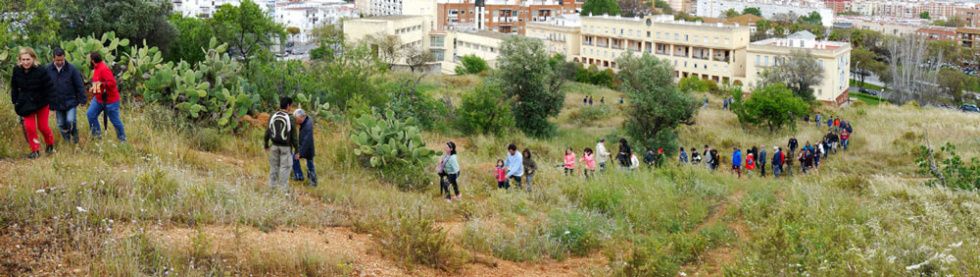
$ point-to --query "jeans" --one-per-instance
(310, 171)
(776, 170)
(762, 169)
(844, 142)
(527, 181)
(516, 179)
(67, 124)
(280, 160)
(112, 111)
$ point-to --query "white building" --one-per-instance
(396, 7)
(561, 34)
(309, 15)
(206, 8)
(717, 8)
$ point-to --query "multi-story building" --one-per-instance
(969, 15)
(888, 26)
(706, 51)
(504, 16)
(308, 15)
(717, 8)
(968, 37)
(833, 57)
(838, 6)
(206, 8)
(937, 33)
(483, 44)
(562, 35)
(411, 31)
(396, 7)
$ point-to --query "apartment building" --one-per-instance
(969, 15)
(412, 31)
(833, 57)
(707, 51)
(206, 8)
(308, 15)
(937, 33)
(483, 44)
(396, 7)
(968, 37)
(560, 36)
(838, 6)
(504, 16)
(717, 8)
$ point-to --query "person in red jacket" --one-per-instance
(30, 90)
(105, 98)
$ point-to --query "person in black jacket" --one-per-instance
(306, 148)
(282, 134)
(625, 152)
(68, 93)
(30, 87)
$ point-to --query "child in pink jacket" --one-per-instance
(589, 159)
(569, 161)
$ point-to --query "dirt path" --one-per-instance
(712, 262)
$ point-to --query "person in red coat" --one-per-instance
(105, 98)
(30, 89)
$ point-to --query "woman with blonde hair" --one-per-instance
(29, 91)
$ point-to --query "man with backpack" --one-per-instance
(777, 162)
(283, 137)
(305, 150)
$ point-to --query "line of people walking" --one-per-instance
(37, 90)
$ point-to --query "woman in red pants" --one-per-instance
(29, 90)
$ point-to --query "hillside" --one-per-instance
(178, 199)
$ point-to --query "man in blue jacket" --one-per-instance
(306, 149)
(737, 161)
(68, 93)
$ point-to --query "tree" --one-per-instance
(924, 15)
(471, 64)
(687, 17)
(752, 10)
(663, 6)
(952, 82)
(247, 30)
(136, 20)
(330, 39)
(731, 13)
(800, 71)
(528, 80)
(863, 62)
(417, 57)
(656, 105)
(485, 110)
(387, 48)
(814, 19)
(193, 35)
(762, 28)
(634, 8)
(774, 106)
(600, 7)
(911, 77)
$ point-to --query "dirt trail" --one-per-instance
(361, 251)
(712, 262)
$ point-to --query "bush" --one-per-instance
(590, 114)
(656, 106)
(207, 139)
(471, 64)
(416, 239)
(393, 145)
(577, 232)
(773, 106)
(485, 110)
(593, 75)
(952, 171)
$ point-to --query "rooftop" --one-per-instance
(489, 34)
(804, 40)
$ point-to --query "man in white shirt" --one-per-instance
(602, 155)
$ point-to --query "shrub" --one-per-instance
(485, 110)
(416, 239)
(656, 106)
(207, 139)
(577, 232)
(588, 115)
(526, 76)
(471, 64)
(952, 171)
(393, 145)
(773, 106)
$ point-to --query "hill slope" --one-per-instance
(185, 200)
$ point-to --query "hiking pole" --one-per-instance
(105, 112)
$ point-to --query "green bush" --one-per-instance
(952, 171)
(207, 139)
(577, 232)
(471, 64)
(392, 145)
(587, 115)
(485, 110)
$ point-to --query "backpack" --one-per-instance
(280, 125)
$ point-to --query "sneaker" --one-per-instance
(34, 155)
(49, 150)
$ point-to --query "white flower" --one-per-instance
(682, 273)
(956, 245)
(81, 210)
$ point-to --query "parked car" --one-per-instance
(869, 91)
(970, 108)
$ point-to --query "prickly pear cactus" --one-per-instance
(384, 141)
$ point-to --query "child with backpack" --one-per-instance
(569, 164)
(749, 164)
(501, 175)
(589, 159)
(282, 136)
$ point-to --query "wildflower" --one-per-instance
(81, 210)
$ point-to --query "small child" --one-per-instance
(569, 161)
(749, 164)
(501, 175)
(589, 159)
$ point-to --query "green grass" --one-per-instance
(866, 98)
(173, 197)
(866, 85)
